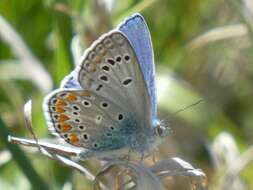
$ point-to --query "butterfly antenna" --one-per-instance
(187, 107)
(181, 110)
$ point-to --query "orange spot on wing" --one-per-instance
(60, 103)
(92, 68)
(74, 139)
(98, 60)
(71, 97)
(63, 117)
(60, 109)
(65, 127)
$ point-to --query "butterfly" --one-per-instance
(107, 104)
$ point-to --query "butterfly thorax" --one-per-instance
(132, 139)
(143, 137)
(147, 140)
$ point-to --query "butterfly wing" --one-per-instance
(108, 105)
(110, 69)
(70, 81)
(137, 32)
(86, 120)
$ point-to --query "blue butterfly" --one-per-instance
(107, 104)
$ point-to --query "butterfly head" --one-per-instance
(161, 130)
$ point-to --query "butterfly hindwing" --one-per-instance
(70, 81)
(87, 120)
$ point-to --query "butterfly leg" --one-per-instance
(154, 158)
(142, 156)
(128, 156)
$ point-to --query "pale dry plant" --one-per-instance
(229, 163)
(129, 174)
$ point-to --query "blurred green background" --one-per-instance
(203, 51)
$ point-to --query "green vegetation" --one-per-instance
(203, 51)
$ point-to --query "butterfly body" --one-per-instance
(136, 144)
(107, 105)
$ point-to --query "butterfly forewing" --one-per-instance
(137, 32)
(110, 69)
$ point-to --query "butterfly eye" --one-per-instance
(161, 130)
